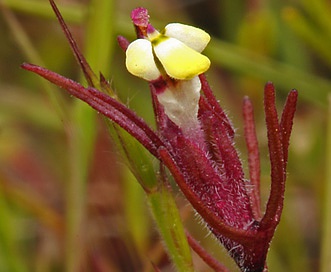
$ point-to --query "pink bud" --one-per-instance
(140, 17)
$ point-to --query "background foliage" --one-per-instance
(67, 199)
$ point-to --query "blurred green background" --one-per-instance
(68, 203)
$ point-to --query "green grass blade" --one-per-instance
(312, 88)
(100, 36)
(98, 52)
(32, 56)
(73, 12)
(326, 227)
(81, 145)
(320, 11)
(310, 34)
(9, 250)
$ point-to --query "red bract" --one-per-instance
(205, 163)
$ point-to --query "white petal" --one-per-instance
(181, 102)
(140, 60)
(178, 60)
(193, 37)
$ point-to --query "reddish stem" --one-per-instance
(160, 116)
(73, 45)
(286, 122)
(214, 105)
(204, 255)
(237, 235)
(275, 203)
(253, 158)
(155, 268)
(106, 105)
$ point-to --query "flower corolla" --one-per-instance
(175, 51)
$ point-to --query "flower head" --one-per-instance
(175, 51)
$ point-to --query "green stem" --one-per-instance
(160, 199)
(170, 226)
(325, 265)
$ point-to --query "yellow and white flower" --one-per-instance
(175, 51)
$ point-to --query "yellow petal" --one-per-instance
(178, 60)
(193, 37)
(140, 60)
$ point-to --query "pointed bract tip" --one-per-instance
(293, 95)
(123, 42)
(28, 66)
(246, 98)
(294, 92)
(269, 86)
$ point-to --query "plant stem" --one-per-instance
(325, 265)
(253, 158)
(170, 226)
(213, 263)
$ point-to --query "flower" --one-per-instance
(195, 138)
(175, 50)
(170, 59)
